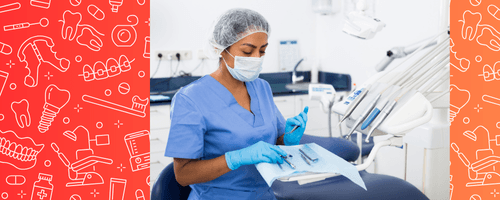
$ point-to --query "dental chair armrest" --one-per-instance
(89, 161)
(484, 163)
(393, 141)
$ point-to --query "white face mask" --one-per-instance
(245, 68)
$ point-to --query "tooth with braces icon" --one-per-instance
(19, 152)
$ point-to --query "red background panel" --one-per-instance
(91, 83)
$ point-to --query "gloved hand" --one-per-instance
(299, 120)
(257, 153)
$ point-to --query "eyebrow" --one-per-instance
(253, 46)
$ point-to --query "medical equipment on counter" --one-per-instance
(325, 94)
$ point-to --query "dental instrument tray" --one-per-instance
(308, 163)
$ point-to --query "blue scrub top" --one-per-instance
(207, 122)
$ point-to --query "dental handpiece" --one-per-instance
(363, 115)
(355, 104)
(289, 163)
(383, 114)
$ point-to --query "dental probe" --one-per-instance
(289, 163)
(388, 108)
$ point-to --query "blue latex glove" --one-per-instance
(257, 153)
(299, 120)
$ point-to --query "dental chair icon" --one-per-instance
(480, 172)
(80, 172)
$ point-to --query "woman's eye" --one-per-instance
(247, 53)
(263, 52)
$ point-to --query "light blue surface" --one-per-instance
(207, 122)
(327, 163)
(160, 97)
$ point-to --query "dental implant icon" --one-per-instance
(458, 99)
(55, 99)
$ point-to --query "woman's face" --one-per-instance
(253, 45)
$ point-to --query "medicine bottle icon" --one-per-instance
(42, 189)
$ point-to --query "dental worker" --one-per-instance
(225, 122)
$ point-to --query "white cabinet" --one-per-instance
(286, 105)
(158, 136)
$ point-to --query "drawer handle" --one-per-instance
(279, 101)
(153, 111)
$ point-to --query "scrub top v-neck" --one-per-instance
(207, 122)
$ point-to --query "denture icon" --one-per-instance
(55, 99)
(38, 52)
(21, 113)
(20, 153)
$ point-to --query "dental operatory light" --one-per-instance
(360, 24)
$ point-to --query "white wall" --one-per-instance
(182, 25)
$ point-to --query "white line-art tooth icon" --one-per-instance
(42, 47)
(125, 35)
(19, 152)
(470, 22)
(489, 37)
(55, 100)
(464, 62)
(21, 113)
(460, 99)
(87, 35)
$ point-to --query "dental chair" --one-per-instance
(338, 187)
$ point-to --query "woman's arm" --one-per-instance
(192, 171)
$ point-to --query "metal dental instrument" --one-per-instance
(363, 115)
(392, 82)
(294, 128)
(417, 82)
(307, 156)
(289, 163)
(304, 158)
(411, 82)
(280, 166)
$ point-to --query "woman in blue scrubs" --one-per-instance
(225, 122)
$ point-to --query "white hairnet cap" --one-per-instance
(231, 27)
